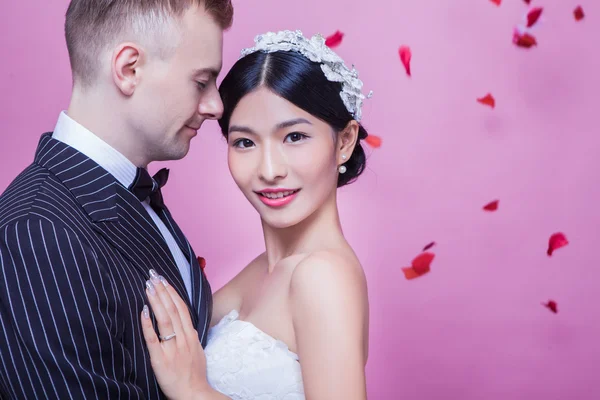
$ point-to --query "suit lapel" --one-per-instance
(116, 213)
(139, 240)
(170, 223)
(186, 248)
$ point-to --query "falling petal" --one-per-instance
(373, 141)
(492, 206)
(551, 305)
(202, 262)
(487, 100)
(420, 266)
(523, 39)
(410, 273)
(533, 16)
(578, 13)
(496, 2)
(405, 56)
(335, 39)
(527, 1)
(555, 242)
(430, 245)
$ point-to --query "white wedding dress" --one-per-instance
(245, 363)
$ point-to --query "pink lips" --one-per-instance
(278, 201)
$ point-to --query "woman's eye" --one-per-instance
(201, 85)
(295, 137)
(243, 143)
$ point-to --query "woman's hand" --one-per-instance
(177, 357)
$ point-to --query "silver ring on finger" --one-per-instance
(168, 337)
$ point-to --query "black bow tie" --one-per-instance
(144, 186)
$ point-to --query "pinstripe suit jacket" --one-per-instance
(75, 250)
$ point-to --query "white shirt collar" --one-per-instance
(81, 139)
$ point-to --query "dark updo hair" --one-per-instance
(301, 82)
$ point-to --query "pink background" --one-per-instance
(474, 328)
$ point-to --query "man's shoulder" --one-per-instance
(34, 186)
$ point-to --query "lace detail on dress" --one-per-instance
(245, 363)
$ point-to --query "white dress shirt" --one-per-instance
(81, 139)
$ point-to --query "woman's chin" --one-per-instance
(280, 219)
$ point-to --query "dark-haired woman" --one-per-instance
(294, 323)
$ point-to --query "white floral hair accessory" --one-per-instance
(316, 50)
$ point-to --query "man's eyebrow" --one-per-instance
(214, 72)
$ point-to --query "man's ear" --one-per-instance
(346, 141)
(126, 64)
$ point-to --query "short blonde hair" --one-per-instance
(92, 25)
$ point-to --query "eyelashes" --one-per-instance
(294, 137)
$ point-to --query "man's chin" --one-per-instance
(174, 154)
(182, 154)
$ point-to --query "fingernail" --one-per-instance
(146, 312)
(150, 287)
(163, 281)
(153, 276)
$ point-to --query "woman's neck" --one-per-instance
(319, 231)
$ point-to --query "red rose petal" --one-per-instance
(524, 39)
(422, 263)
(487, 100)
(420, 266)
(578, 13)
(496, 2)
(492, 206)
(555, 242)
(533, 16)
(202, 263)
(527, 1)
(373, 141)
(335, 39)
(410, 273)
(405, 57)
(430, 245)
(552, 306)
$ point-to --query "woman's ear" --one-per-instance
(346, 141)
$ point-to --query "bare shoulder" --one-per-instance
(330, 285)
(339, 271)
(229, 297)
(329, 304)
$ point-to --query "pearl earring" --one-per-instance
(342, 169)
(343, 156)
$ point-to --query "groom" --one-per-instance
(82, 225)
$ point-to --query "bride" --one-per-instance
(294, 323)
